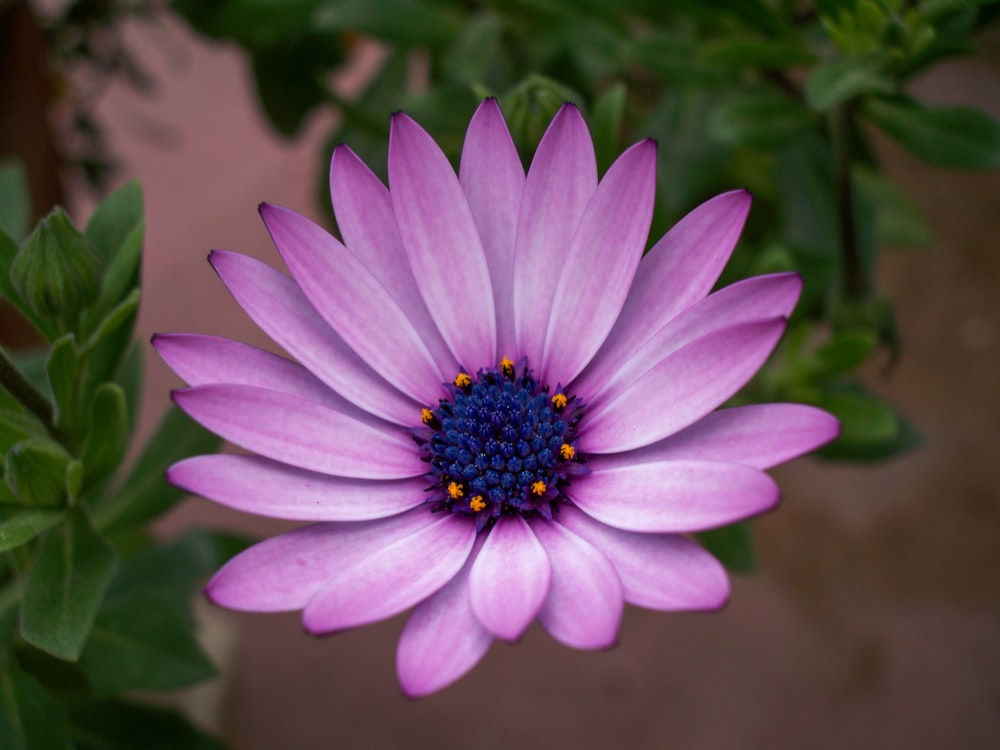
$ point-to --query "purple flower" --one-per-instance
(501, 410)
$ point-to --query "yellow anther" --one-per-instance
(477, 503)
(538, 488)
(506, 367)
(455, 490)
(559, 401)
(463, 380)
(426, 416)
(567, 451)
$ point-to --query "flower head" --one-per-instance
(500, 410)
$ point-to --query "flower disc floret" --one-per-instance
(500, 444)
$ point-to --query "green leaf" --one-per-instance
(955, 137)
(130, 378)
(898, 221)
(35, 471)
(107, 347)
(65, 587)
(30, 719)
(475, 50)
(402, 23)
(114, 220)
(741, 52)
(20, 526)
(62, 370)
(845, 351)
(16, 422)
(871, 429)
(143, 642)
(290, 80)
(107, 438)
(608, 114)
(178, 567)
(119, 725)
(14, 199)
(836, 81)
(732, 545)
(145, 493)
(759, 119)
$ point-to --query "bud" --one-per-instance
(530, 106)
(57, 271)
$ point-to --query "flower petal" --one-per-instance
(756, 298)
(667, 572)
(673, 496)
(301, 433)
(283, 573)
(355, 304)
(493, 180)
(598, 268)
(760, 435)
(259, 485)
(681, 389)
(678, 271)
(442, 639)
(200, 360)
(392, 578)
(584, 605)
(442, 243)
(276, 304)
(368, 225)
(510, 579)
(560, 183)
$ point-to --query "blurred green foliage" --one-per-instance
(90, 605)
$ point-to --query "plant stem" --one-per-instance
(19, 387)
(854, 281)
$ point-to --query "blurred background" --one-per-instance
(873, 618)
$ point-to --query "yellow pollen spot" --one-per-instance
(455, 490)
(463, 380)
(567, 451)
(477, 503)
(559, 401)
(538, 488)
(506, 366)
(426, 416)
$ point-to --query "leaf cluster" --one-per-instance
(91, 606)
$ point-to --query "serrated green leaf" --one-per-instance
(606, 121)
(35, 471)
(30, 719)
(956, 137)
(145, 493)
(20, 526)
(119, 725)
(65, 587)
(62, 371)
(732, 545)
(833, 82)
(143, 641)
(759, 119)
(14, 199)
(107, 437)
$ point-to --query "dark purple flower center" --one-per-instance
(500, 444)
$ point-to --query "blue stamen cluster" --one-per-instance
(500, 444)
